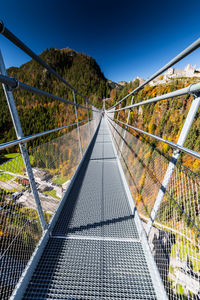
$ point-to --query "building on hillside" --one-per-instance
(171, 73)
(23, 181)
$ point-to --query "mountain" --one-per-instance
(39, 113)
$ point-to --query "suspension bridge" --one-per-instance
(124, 225)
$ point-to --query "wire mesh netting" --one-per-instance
(20, 228)
(85, 135)
(174, 238)
(54, 164)
(144, 168)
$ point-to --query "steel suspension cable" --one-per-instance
(15, 40)
(179, 57)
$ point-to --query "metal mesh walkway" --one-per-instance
(95, 251)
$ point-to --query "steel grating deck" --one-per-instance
(83, 269)
(95, 251)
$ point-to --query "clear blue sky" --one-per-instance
(127, 38)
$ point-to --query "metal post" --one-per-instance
(183, 135)
(88, 117)
(79, 138)
(124, 135)
(104, 104)
(23, 149)
(115, 125)
(93, 116)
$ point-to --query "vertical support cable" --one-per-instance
(183, 135)
(23, 149)
(79, 138)
(127, 122)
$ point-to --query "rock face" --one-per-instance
(171, 73)
(113, 84)
(123, 83)
(141, 80)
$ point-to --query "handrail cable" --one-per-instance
(14, 83)
(176, 59)
(191, 89)
(34, 136)
(15, 40)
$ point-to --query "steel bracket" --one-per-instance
(194, 94)
(16, 86)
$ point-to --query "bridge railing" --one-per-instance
(166, 193)
(174, 236)
(33, 183)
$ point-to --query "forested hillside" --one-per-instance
(38, 113)
(164, 118)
